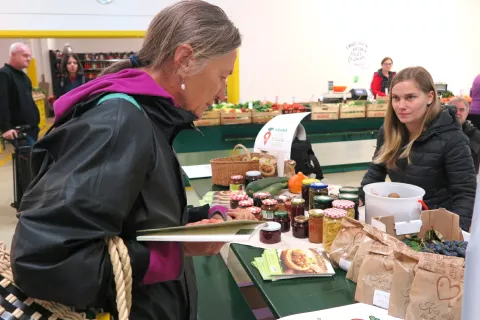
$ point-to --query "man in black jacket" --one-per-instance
(17, 107)
(473, 134)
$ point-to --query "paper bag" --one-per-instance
(346, 243)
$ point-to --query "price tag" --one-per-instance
(250, 105)
(344, 264)
(381, 299)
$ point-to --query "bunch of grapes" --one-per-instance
(447, 248)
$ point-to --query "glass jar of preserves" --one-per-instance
(256, 211)
(306, 190)
(285, 201)
(352, 190)
(251, 176)
(322, 202)
(297, 208)
(270, 233)
(269, 207)
(346, 205)
(259, 197)
(315, 226)
(237, 183)
(245, 203)
(300, 227)
(235, 198)
(317, 189)
(282, 218)
(351, 197)
(332, 224)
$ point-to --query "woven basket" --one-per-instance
(14, 304)
(224, 168)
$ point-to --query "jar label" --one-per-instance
(268, 215)
(236, 187)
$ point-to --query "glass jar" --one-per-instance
(251, 176)
(306, 190)
(245, 203)
(270, 233)
(300, 227)
(297, 208)
(315, 226)
(322, 202)
(285, 200)
(235, 199)
(352, 190)
(256, 211)
(259, 197)
(237, 183)
(346, 205)
(317, 189)
(269, 207)
(332, 224)
(282, 218)
(351, 197)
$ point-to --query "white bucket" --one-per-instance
(405, 208)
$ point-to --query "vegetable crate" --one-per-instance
(209, 118)
(227, 118)
(348, 111)
(377, 110)
(322, 111)
(264, 117)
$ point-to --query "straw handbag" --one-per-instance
(14, 304)
(224, 168)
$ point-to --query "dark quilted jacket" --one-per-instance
(441, 164)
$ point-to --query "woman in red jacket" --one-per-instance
(382, 78)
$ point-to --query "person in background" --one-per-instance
(474, 115)
(72, 75)
(422, 144)
(463, 108)
(382, 78)
(17, 107)
(109, 169)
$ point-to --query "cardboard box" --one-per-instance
(322, 111)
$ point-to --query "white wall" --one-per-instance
(292, 48)
(97, 45)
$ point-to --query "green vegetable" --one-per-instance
(275, 188)
(263, 183)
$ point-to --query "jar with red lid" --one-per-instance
(346, 205)
(245, 203)
(270, 233)
(235, 199)
(300, 227)
(297, 208)
(256, 211)
(269, 207)
(237, 183)
(258, 197)
(332, 224)
(282, 218)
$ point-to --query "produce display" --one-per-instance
(275, 184)
(433, 243)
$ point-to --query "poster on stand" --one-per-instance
(277, 135)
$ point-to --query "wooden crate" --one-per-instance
(376, 113)
(209, 118)
(322, 111)
(264, 117)
(349, 111)
(235, 118)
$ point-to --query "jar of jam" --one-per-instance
(332, 224)
(237, 183)
(269, 207)
(306, 190)
(351, 197)
(259, 197)
(282, 218)
(352, 190)
(245, 203)
(322, 202)
(285, 201)
(235, 199)
(256, 211)
(346, 205)
(317, 189)
(300, 227)
(270, 233)
(251, 176)
(297, 208)
(315, 226)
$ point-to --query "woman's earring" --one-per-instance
(182, 86)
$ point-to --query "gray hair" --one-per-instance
(203, 26)
(14, 47)
(460, 99)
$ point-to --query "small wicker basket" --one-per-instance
(224, 168)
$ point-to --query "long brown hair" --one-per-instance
(204, 26)
(395, 131)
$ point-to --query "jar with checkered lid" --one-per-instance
(236, 198)
(347, 205)
(237, 183)
(332, 224)
(269, 207)
(258, 197)
(256, 211)
(245, 203)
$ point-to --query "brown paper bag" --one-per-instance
(346, 243)
(375, 277)
(363, 248)
(406, 263)
(434, 296)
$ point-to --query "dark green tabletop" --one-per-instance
(292, 296)
(218, 294)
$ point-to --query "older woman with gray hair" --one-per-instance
(108, 169)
